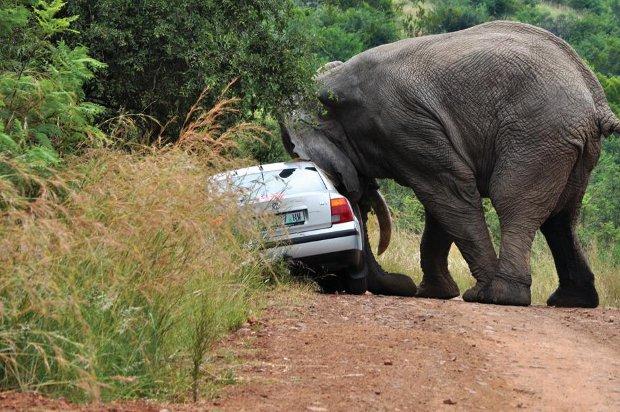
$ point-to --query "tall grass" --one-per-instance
(118, 278)
(404, 256)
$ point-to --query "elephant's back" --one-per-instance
(482, 79)
(510, 60)
(515, 41)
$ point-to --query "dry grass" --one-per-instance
(116, 280)
(121, 289)
(203, 128)
(404, 256)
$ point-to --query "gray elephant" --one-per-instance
(502, 110)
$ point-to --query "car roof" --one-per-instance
(295, 164)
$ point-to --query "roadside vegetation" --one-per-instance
(118, 269)
(118, 286)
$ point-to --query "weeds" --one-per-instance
(123, 293)
(203, 129)
(119, 273)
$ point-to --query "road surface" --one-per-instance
(330, 353)
(311, 352)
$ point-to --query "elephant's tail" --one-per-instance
(608, 123)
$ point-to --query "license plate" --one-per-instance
(294, 218)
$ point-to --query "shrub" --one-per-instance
(161, 54)
(342, 29)
(42, 108)
(450, 15)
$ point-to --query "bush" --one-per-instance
(597, 6)
(611, 85)
(162, 54)
(120, 288)
(600, 216)
(342, 29)
(450, 15)
(43, 112)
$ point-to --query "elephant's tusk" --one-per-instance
(385, 220)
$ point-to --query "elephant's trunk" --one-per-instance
(385, 220)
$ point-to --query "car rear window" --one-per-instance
(287, 181)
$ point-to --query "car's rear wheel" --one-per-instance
(355, 286)
(330, 283)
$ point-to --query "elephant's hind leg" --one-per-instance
(446, 185)
(437, 283)
(523, 197)
(576, 279)
(461, 216)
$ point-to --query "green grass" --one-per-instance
(121, 289)
(403, 256)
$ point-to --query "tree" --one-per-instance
(161, 54)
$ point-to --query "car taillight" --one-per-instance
(341, 210)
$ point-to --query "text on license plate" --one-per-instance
(294, 218)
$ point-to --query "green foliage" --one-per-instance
(407, 210)
(269, 149)
(43, 112)
(593, 32)
(600, 215)
(334, 30)
(162, 54)
(344, 28)
(453, 15)
(596, 6)
(611, 85)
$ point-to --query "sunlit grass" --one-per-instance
(120, 286)
(404, 256)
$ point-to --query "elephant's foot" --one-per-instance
(584, 297)
(500, 291)
(471, 294)
(392, 284)
(438, 288)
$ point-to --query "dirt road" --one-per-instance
(327, 353)
(311, 352)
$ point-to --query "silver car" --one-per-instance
(319, 232)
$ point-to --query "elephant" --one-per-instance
(502, 110)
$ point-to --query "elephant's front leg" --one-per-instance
(437, 283)
(379, 281)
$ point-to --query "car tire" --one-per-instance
(355, 286)
(330, 284)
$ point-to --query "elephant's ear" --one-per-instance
(310, 142)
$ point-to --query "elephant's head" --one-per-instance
(315, 135)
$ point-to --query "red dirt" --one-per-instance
(367, 353)
(329, 353)
(34, 402)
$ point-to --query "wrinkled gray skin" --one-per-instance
(502, 110)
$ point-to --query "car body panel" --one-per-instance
(280, 188)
